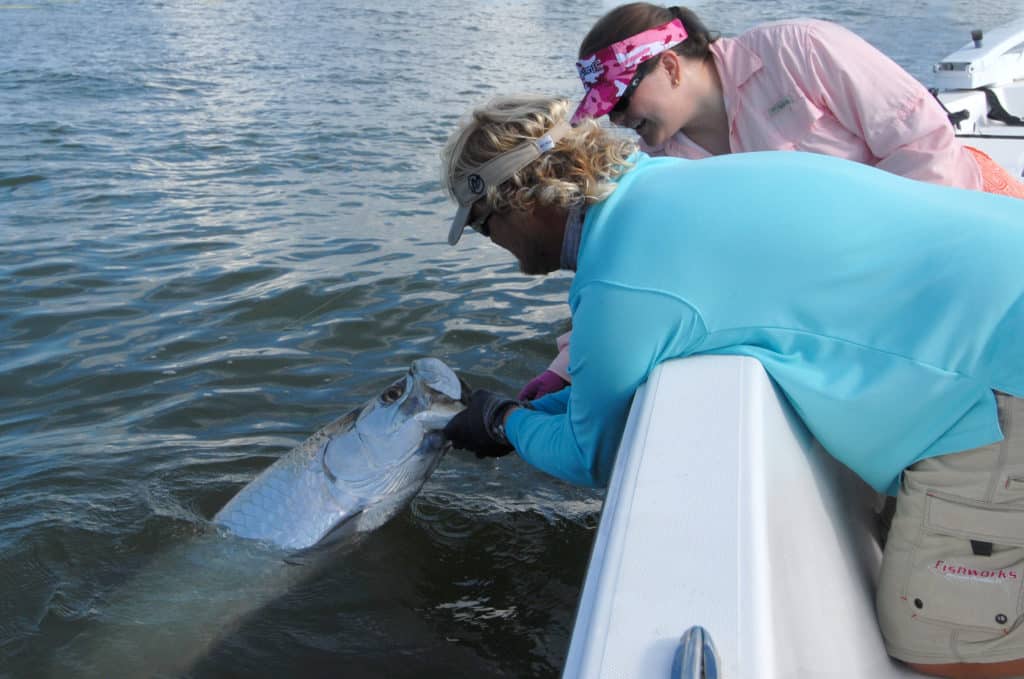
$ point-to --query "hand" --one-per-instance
(480, 427)
(547, 382)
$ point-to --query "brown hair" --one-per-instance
(637, 17)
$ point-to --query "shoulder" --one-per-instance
(779, 34)
(805, 50)
(646, 172)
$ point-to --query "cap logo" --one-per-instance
(476, 184)
(590, 70)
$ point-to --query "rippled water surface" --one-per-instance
(220, 228)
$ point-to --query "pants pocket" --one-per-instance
(968, 568)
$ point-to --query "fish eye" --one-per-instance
(393, 393)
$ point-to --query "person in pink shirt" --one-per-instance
(801, 85)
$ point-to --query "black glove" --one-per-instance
(480, 427)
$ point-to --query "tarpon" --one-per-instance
(355, 473)
(348, 478)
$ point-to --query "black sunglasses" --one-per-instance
(623, 103)
(480, 223)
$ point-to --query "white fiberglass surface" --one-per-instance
(723, 512)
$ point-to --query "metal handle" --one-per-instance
(695, 657)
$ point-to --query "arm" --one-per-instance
(876, 100)
(560, 366)
(554, 379)
(553, 403)
(620, 335)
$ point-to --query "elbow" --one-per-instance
(595, 467)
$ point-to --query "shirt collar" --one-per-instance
(735, 62)
(573, 236)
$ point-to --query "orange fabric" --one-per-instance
(995, 177)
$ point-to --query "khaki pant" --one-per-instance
(952, 583)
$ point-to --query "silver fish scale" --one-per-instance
(369, 462)
(291, 503)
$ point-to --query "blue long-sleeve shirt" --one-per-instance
(887, 310)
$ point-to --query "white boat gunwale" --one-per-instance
(745, 591)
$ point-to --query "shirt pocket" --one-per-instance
(791, 118)
(964, 585)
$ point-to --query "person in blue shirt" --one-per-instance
(889, 312)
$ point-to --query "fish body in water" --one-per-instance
(355, 473)
(350, 477)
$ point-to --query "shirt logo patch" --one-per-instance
(951, 570)
(780, 105)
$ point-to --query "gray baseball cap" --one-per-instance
(473, 186)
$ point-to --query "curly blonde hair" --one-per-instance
(580, 169)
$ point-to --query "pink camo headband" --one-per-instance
(607, 73)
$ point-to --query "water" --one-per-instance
(220, 227)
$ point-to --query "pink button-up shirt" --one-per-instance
(810, 85)
(814, 86)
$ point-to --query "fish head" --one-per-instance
(421, 401)
(396, 439)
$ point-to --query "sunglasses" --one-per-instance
(623, 103)
(480, 223)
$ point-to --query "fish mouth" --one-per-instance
(439, 377)
(435, 420)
